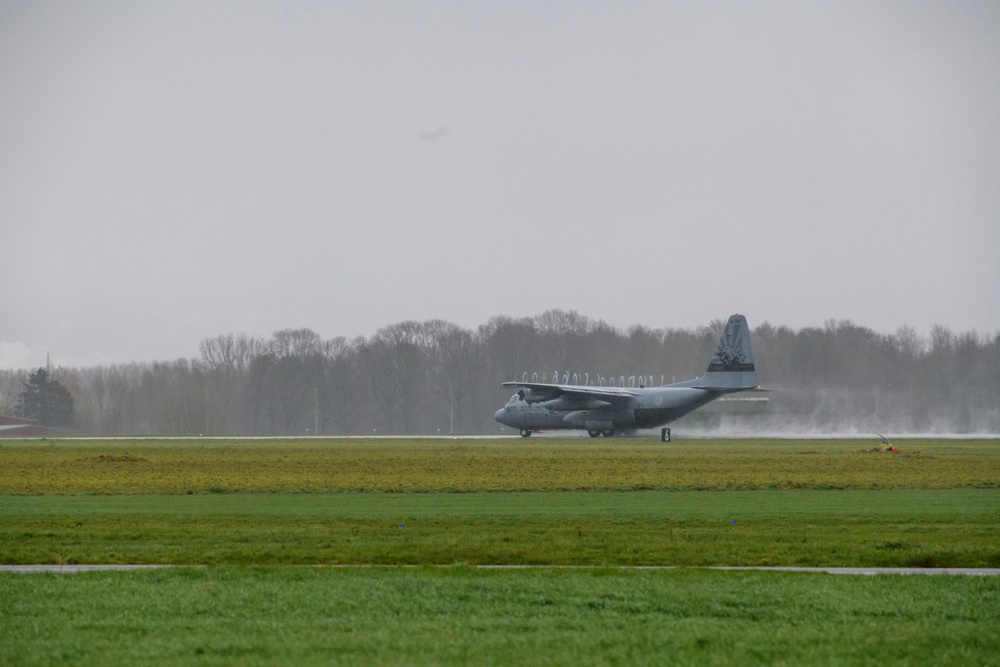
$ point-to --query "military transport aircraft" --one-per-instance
(603, 410)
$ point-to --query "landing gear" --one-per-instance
(664, 435)
(593, 433)
(525, 433)
(608, 432)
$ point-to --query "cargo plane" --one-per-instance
(601, 410)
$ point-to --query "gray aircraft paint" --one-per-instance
(604, 410)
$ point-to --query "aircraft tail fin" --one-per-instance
(731, 367)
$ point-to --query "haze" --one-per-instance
(175, 171)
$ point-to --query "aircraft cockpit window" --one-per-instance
(513, 399)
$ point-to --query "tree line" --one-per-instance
(437, 377)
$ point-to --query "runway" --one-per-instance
(866, 571)
(962, 571)
(76, 568)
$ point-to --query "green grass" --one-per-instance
(415, 616)
(256, 511)
(904, 527)
(545, 464)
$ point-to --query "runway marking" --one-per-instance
(964, 571)
(76, 568)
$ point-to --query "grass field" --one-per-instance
(257, 511)
(902, 527)
(504, 501)
(503, 464)
(421, 616)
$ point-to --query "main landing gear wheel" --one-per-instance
(608, 432)
(593, 433)
(525, 433)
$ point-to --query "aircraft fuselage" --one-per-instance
(649, 408)
(601, 410)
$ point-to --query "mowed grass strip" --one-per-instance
(503, 464)
(902, 527)
(419, 616)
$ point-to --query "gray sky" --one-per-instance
(171, 171)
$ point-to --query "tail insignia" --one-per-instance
(733, 353)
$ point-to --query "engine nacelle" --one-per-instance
(534, 395)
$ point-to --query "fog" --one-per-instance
(176, 171)
(435, 377)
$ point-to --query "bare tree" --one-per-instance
(11, 383)
(340, 396)
(423, 377)
(393, 368)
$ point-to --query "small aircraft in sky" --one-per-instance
(602, 410)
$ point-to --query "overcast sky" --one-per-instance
(172, 171)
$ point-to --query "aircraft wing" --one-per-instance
(543, 391)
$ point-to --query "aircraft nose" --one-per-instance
(500, 415)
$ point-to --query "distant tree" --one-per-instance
(415, 377)
(10, 390)
(46, 400)
(394, 364)
(340, 397)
